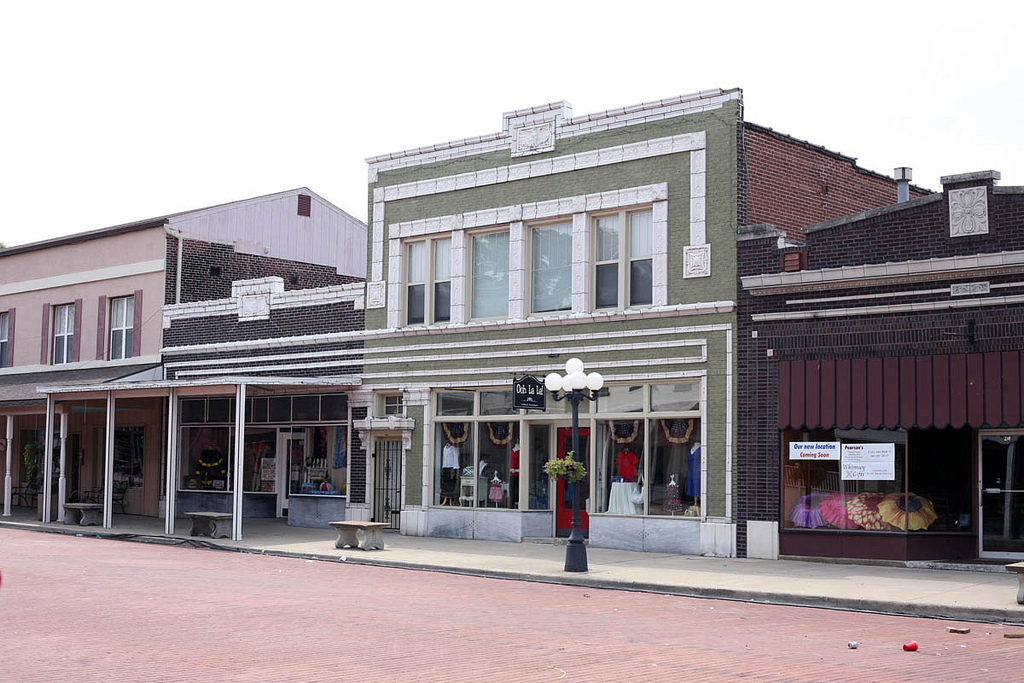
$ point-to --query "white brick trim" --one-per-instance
(566, 127)
(694, 143)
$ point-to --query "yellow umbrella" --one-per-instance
(903, 510)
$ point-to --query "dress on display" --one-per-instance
(672, 503)
(693, 473)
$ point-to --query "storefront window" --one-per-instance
(206, 458)
(675, 398)
(939, 471)
(260, 465)
(620, 468)
(455, 403)
(496, 403)
(453, 464)
(850, 479)
(674, 471)
(324, 463)
(129, 455)
(540, 437)
(496, 443)
(620, 399)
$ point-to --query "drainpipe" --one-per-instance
(903, 175)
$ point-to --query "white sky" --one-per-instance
(113, 112)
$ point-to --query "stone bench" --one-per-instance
(84, 514)
(1019, 568)
(362, 535)
(212, 524)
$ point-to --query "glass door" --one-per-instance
(1002, 495)
(563, 491)
(290, 466)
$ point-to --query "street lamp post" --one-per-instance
(574, 386)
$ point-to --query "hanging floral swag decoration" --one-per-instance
(455, 432)
(625, 431)
(677, 431)
(572, 470)
(500, 433)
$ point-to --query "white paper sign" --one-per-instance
(814, 450)
(869, 461)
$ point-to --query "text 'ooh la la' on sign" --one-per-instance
(814, 450)
(528, 393)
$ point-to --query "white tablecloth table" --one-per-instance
(620, 501)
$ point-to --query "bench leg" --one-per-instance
(197, 527)
(71, 516)
(219, 528)
(1020, 588)
(371, 539)
(346, 537)
(92, 518)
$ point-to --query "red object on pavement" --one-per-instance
(910, 647)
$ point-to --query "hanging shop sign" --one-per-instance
(528, 393)
(869, 461)
(814, 450)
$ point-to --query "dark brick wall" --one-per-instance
(916, 233)
(307, 320)
(283, 322)
(198, 284)
(792, 184)
(357, 462)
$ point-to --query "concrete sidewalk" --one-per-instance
(988, 596)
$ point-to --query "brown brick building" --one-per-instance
(881, 374)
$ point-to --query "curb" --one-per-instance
(892, 608)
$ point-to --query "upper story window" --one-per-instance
(393, 404)
(63, 333)
(4, 344)
(122, 320)
(623, 247)
(429, 274)
(489, 273)
(551, 268)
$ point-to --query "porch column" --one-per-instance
(108, 465)
(7, 478)
(236, 499)
(172, 462)
(48, 460)
(62, 482)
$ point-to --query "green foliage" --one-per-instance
(572, 470)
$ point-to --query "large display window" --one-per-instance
(646, 457)
(879, 480)
(316, 457)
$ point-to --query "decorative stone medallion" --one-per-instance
(375, 294)
(968, 212)
(697, 261)
(533, 139)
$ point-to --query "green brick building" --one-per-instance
(610, 238)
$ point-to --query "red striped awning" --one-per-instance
(957, 390)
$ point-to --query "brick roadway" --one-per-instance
(85, 609)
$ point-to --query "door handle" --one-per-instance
(1002, 490)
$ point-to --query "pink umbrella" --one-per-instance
(834, 510)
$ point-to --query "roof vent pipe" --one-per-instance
(903, 174)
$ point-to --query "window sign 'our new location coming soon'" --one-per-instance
(869, 462)
(814, 450)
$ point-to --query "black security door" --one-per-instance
(387, 482)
